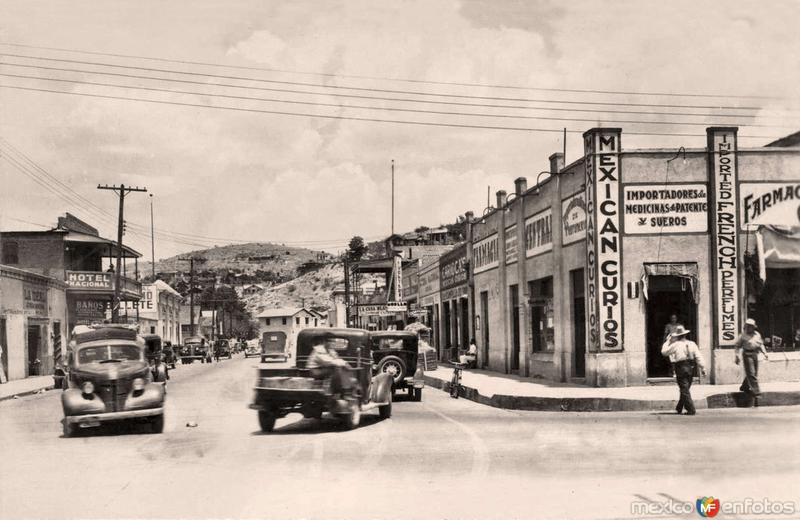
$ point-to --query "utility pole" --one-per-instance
(392, 198)
(191, 295)
(121, 191)
(152, 241)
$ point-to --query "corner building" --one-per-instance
(574, 279)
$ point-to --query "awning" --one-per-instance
(686, 271)
(778, 248)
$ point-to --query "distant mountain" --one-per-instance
(312, 289)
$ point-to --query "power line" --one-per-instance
(365, 107)
(79, 200)
(349, 118)
(380, 90)
(376, 98)
(403, 80)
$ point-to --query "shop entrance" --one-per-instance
(667, 295)
(485, 326)
(515, 340)
(34, 343)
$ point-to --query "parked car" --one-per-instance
(222, 348)
(110, 380)
(253, 348)
(281, 391)
(396, 353)
(194, 347)
(274, 347)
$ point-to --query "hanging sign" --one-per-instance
(672, 208)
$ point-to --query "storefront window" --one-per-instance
(542, 323)
(777, 309)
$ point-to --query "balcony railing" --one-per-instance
(101, 282)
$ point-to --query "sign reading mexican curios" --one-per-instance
(671, 208)
(573, 217)
(604, 247)
(511, 244)
(539, 233)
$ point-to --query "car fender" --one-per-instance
(74, 403)
(151, 397)
(381, 391)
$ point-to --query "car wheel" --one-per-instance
(69, 429)
(385, 411)
(394, 366)
(353, 418)
(157, 424)
(266, 420)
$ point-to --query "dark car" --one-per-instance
(222, 348)
(273, 346)
(110, 380)
(396, 353)
(194, 347)
(281, 391)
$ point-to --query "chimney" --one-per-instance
(501, 198)
(469, 215)
(556, 163)
(520, 185)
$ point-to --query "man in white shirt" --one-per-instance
(684, 355)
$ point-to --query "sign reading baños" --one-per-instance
(603, 244)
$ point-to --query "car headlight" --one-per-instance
(138, 384)
(87, 387)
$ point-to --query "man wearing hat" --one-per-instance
(684, 355)
(747, 348)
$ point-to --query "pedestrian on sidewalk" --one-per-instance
(747, 348)
(685, 357)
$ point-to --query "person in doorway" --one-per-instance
(684, 355)
(324, 362)
(471, 356)
(670, 327)
(747, 348)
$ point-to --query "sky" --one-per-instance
(220, 176)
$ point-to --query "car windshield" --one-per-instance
(102, 353)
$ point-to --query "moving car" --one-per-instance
(281, 391)
(253, 348)
(222, 348)
(273, 346)
(396, 353)
(194, 347)
(110, 380)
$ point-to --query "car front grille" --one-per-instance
(114, 394)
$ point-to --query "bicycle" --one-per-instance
(455, 381)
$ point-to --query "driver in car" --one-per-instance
(325, 362)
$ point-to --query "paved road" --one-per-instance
(441, 458)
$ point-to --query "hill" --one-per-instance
(312, 289)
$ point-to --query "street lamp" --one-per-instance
(539, 176)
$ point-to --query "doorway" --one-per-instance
(464, 322)
(446, 328)
(667, 295)
(515, 340)
(34, 342)
(578, 324)
(485, 327)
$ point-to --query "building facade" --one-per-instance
(158, 311)
(289, 321)
(576, 278)
(454, 294)
(430, 299)
(33, 322)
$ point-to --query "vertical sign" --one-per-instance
(603, 242)
(722, 150)
(398, 279)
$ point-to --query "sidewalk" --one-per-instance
(519, 393)
(29, 385)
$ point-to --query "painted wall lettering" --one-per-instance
(674, 208)
(725, 243)
(769, 203)
(573, 217)
(539, 233)
(511, 244)
(485, 254)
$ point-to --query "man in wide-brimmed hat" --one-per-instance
(748, 346)
(684, 355)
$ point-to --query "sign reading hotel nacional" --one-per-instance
(603, 241)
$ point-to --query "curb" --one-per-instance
(611, 404)
(28, 392)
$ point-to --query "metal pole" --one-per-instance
(392, 196)
(152, 241)
(191, 295)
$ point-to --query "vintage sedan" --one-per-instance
(194, 347)
(253, 348)
(396, 352)
(110, 379)
(310, 390)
